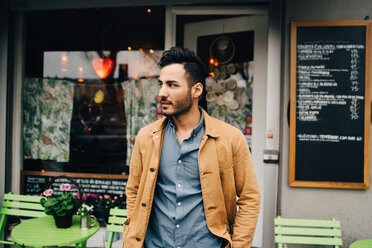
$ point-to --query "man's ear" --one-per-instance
(197, 90)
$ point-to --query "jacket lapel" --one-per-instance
(157, 138)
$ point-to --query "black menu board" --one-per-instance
(34, 183)
(330, 104)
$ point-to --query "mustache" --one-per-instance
(164, 100)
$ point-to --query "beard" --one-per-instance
(177, 107)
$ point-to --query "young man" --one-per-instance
(188, 169)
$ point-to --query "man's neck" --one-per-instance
(186, 122)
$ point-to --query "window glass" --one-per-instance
(90, 84)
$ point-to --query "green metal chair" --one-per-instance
(307, 231)
(363, 243)
(115, 223)
(19, 205)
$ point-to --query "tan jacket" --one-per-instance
(226, 171)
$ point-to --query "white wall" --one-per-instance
(352, 207)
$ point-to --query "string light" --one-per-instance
(151, 50)
(148, 10)
(64, 60)
(80, 79)
(129, 48)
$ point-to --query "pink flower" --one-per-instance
(106, 196)
(65, 187)
(100, 197)
(89, 194)
(78, 195)
(115, 197)
(84, 198)
(94, 195)
(48, 192)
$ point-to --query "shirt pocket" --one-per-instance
(191, 169)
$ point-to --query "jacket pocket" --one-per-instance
(126, 227)
(228, 183)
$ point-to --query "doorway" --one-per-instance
(240, 46)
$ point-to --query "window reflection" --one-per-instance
(84, 113)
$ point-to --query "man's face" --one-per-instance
(175, 95)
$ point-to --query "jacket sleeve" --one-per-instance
(248, 192)
(135, 172)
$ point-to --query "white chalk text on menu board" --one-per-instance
(317, 85)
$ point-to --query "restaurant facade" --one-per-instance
(78, 79)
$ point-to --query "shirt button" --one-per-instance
(179, 161)
(179, 185)
(143, 204)
(138, 239)
(178, 226)
(152, 169)
(179, 204)
(156, 136)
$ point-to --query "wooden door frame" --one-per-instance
(171, 13)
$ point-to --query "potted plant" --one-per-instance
(63, 205)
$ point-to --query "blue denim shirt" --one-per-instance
(177, 217)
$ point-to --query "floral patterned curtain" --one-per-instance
(140, 107)
(47, 112)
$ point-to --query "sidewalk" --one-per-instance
(98, 240)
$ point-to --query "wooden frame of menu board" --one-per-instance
(103, 183)
(330, 104)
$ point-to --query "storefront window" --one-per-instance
(90, 84)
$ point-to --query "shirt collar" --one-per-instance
(211, 125)
(196, 129)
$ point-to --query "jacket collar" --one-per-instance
(211, 126)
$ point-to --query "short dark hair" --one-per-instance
(192, 64)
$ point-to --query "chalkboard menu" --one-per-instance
(34, 183)
(330, 116)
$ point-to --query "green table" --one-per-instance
(364, 243)
(42, 231)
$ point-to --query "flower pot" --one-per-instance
(63, 221)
